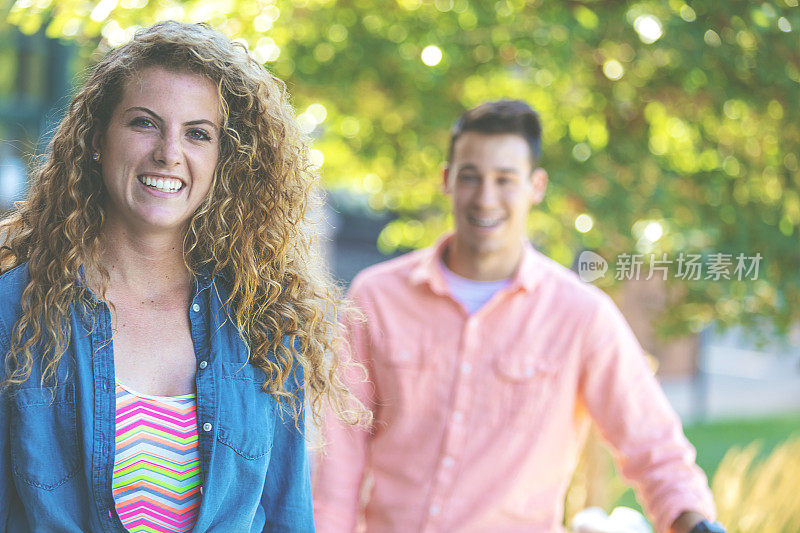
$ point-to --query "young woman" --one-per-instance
(160, 318)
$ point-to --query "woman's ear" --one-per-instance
(96, 142)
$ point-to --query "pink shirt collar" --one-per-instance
(526, 277)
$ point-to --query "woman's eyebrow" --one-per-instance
(157, 117)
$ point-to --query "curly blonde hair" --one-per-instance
(252, 227)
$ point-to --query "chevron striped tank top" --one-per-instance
(157, 473)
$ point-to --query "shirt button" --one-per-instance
(447, 462)
(466, 368)
(404, 355)
(207, 427)
(528, 371)
(458, 416)
(203, 364)
(434, 510)
(196, 308)
(201, 489)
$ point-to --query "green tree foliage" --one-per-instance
(677, 117)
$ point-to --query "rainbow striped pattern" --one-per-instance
(157, 472)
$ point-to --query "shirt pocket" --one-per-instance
(402, 372)
(247, 414)
(44, 436)
(403, 354)
(524, 384)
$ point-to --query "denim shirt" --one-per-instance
(57, 445)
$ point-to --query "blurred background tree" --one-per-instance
(669, 126)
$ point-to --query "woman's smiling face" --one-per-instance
(160, 149)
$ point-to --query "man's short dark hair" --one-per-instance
(503, 116)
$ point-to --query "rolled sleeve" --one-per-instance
(627, 404)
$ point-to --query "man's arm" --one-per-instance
(633, 415)
(340, 465)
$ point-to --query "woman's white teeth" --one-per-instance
(161, 184)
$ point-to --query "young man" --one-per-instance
(487, 362)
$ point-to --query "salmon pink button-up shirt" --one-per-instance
(479, 419)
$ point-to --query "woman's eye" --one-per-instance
(142, 122)
(199, 135)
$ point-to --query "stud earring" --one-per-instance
(96, 156)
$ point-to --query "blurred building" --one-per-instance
(352, 230)
(642, 302)
(35, 82)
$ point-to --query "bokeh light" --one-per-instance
(584, 223)
(653, 231)
(649, 28)
(431, 55)
(613, 69)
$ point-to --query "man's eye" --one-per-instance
(142, 122)
(199, 135)
(467, 177)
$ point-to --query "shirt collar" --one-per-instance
(205, 277)
(87, 292)
(526, 277)
(531, 268)
(427, 270)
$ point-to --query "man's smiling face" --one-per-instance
(493, 185)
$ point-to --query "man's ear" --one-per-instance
(538, 185)
(445, 177)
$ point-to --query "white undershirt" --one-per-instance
(470, 293)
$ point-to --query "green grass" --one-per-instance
(713, 439)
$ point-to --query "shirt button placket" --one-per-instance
(456, 432)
